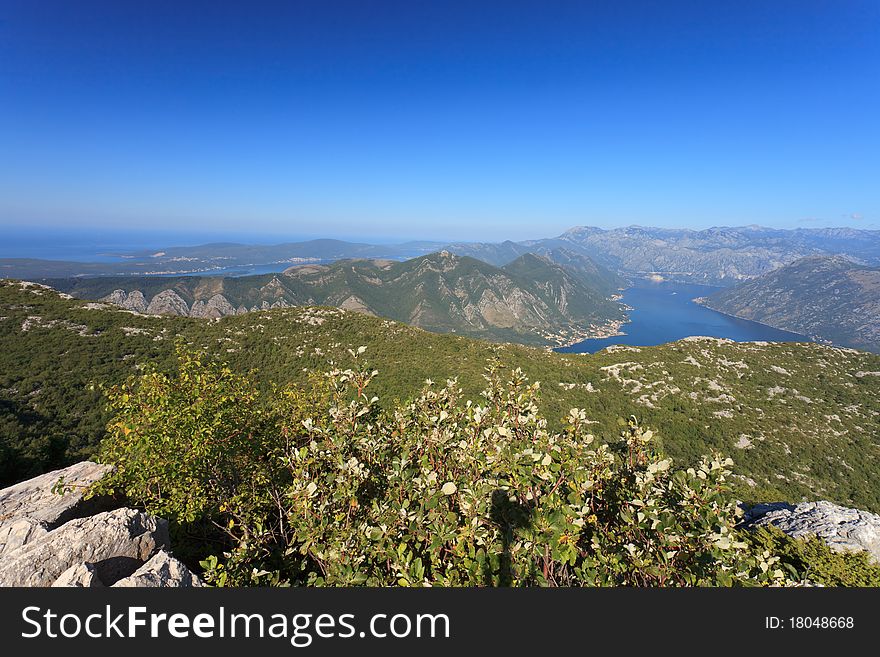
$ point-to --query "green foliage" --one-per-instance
(185, 444)
(812, 430)
(320, 485)
(813, 560)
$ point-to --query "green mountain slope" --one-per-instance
(601, 278)
(560, 286)
(829, 298)
(800, 420)
(532, 300)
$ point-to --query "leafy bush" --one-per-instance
(184, 445)
(318, 485)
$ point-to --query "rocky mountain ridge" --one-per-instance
(829, 298)
(714, 256)
(533, 299)
(169, 302)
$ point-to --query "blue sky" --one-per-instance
(446, 120)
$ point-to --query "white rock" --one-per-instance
(115, 542)
(29, 509)
(15, 532)
(168, 302)
(842, 528)
(162, 570)
(82, 575)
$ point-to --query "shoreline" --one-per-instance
(700, 301)
(609, 330)
(795, 337)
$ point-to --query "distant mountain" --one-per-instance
(531, 300)
(826, 297)
(716, 256)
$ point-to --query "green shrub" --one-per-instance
(185, 444)
(813, 560)
(318, 485)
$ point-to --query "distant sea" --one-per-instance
(110, 246)
(93, 245)
(664, 312)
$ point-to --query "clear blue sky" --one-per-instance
(448, 120)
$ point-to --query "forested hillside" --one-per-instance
(799, 420)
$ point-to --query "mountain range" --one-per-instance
(829, 298)
(715, 256)
(551, 300)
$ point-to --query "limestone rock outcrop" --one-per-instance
(162, 570)
(216, 306)
(30, 509)
(53, 534)
(134, 301)
(842, 528)
(168, 302)
(114, 542)
(82, 575)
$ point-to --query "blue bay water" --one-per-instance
(664, 312)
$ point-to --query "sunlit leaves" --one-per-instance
(318, 485)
